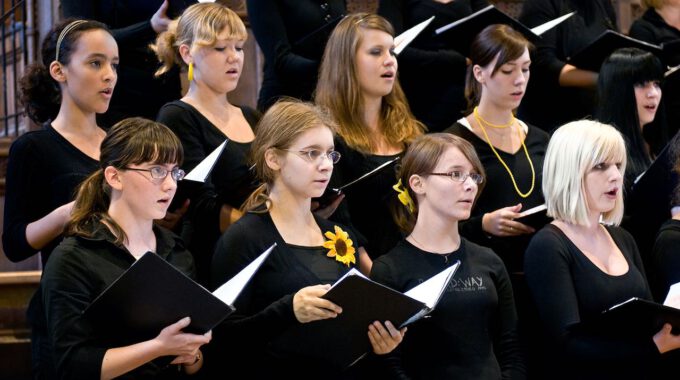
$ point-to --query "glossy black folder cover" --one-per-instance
(461, 33)
(592, 56)
(344, 340)
(536, 220)
(151, 295)
(635, 317)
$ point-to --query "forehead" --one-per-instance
(451, 157)
(319, 136)
(372, 37)
(96, 41)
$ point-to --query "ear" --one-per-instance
(185, 52)
(478, 72)
(112, 177)
(57, 72)
(417, 184)
(273, 159)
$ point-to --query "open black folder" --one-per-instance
(343, 340)
(635, 318)
(152, 294)
(592, 56)
(332, 193)
(535, 217)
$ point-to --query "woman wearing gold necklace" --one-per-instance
(510, 151)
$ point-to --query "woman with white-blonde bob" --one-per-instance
(583, 263)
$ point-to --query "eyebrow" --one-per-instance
(101, 55)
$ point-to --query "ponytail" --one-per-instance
(39, 93)
(258, 201)
(166, 49)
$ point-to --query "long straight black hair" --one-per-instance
(619, 74)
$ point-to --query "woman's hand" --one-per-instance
(386, 338)
(308, 305)
(174, 342)
(502, 222)
(160, 19)
(665, 340)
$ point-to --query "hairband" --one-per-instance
(64, 32)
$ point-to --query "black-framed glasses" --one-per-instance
(315, 155)
(462, 176)
(159, 172)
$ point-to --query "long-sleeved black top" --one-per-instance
(547, 104)
(292, 35)
(138, 92)
(81, 269)
(665, 269)
(249, 338)
(499, 191)
(568, 288)
(229, 183)
(472, 333)
(44, 171)
(431, 73)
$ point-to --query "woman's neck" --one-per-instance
(139, 232)
(72, 118)
(583, 230)
(434, 233)
(371, 115)
(199, 94)
(494, 114)
(288, 208)
(670, 14)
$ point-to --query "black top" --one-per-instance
(81, 268)
(137, 92)
(292, 35)
(665, 270)
(367, 203)
(249, 338)
(652, 28)
(472, 333)
(568, 288)
(430, 72)
(546, 103)
(44, 171)
(499, 192)
(230, 182)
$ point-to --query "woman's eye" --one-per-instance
(96, 64)
(220, 48)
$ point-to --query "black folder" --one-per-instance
(342, 341)
(460, 34)
(592, 56)
(151, 295)
(635, 318)
(176, 7)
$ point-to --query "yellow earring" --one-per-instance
(190, 75)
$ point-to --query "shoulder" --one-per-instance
(175, 112)
(537, 134)
(548, 238)
(71, 255)
(458, 128)
(623, 237)
(253, 232)
(33, 140)
(388, 266)
(251, 115)
(329, 226)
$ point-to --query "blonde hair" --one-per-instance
(574, 149)
(656, 4)
(199, 26)
(280, 126)
(338, 88)
(421, 158)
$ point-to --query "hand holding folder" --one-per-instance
(152, 294)
(342, 341)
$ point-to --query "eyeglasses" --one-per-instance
(159, 172)
(461, 177)
(315, 155)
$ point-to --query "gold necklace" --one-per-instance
(422, 247)
(526, 152)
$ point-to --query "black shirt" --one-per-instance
(665, 269)
(547, 104)
(292, 35)
(250, 337)
(568, 288)
(431, 74)
(472, 333)
(499, 192)
(44, 171)
(80, 269)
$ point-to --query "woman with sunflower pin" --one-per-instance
(472, 334)
(293, 154)
(511, 151)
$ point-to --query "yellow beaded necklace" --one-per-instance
(481, 123)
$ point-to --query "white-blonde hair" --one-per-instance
(574, 149)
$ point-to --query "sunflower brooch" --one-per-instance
(340, 246)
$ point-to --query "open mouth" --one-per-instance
(232, 71)
(388, 74)
(613, 192)
(107, 91)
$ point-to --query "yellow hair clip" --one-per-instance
(404, 197)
